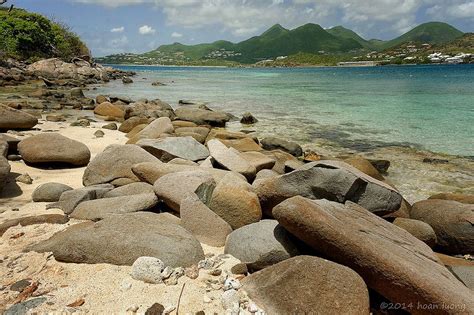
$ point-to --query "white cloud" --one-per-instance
(118, 29)
(176, 35)
(248, 17)
(146, 30)
(119, 42)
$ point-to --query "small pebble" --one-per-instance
(215, 272)
(133, 308)
(99, 134)
(25, 179)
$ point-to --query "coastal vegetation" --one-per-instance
(309, 44)
(31, 36)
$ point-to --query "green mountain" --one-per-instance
(309, 38)
(309, 42)
(342, 32)
(431, 33)
(276, 41)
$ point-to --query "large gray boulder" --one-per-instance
(70, 199)
(150, 109)
(202, 222)
(202, 116)
(169, 148)
(173, 188)
(115, 162)
(308, 285)
(332, 180)
(101, 208)
(235, 201)
(392, 262)
(55, 68)
(54, 148)
(273, 143)
(230, 159)
(261, 244)
(121, 239)
(130, 190)
(15, 119)
(151, 172)
(452, 222)
(154, 130)
(49, 192)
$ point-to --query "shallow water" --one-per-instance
(427, 107)
(398, 113)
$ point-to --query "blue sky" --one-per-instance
(142, 25)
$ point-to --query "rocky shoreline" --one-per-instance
(174, 214)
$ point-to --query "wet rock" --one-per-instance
(390, 260)
(115, 162)
(202, 222)
(273, 143)
(127, 80)
(332, 180)
(121, 239)
(261, 244)
(452, 222)
(100, 208)
(49, 192)
(202, 116)
(15, 119)
(54, 148)
(180, 147)
(380, 165)
(248, 119)
(308, 285)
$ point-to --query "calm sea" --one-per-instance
(355, 109)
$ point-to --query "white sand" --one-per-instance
(104, 287)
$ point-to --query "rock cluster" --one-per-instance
(311, 234)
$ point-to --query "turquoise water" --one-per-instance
(358, 109)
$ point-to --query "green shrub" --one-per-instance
(31, 36)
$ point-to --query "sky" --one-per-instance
(138, 26)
